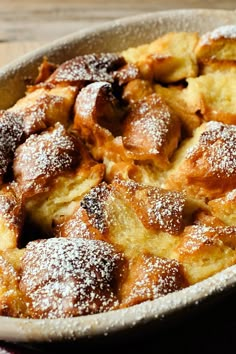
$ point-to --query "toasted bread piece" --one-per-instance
(11, 216)
(137, 89)
(219, 44)
(135, 218)
(12, 302)
(212, 96)
(151, 131)
(61, 172)
(69, 277)
(43, 107)
(87, 68)
(174, 97)
(169, 58)
(224, 208)
(205, 165)
(206, 250)
(97, 117)
(150, 277)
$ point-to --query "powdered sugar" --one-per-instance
(11, 131)
(10, 209)
(199, 235)
(94, 204)
(69, 276)
(226, 32)
(88, 68)
(218, 143)
(47, 155)
(155, 277)
(148, 126)
(165, 210)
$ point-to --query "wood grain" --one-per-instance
(27, 24)
(46, 20)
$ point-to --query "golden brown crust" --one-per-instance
(218, 44)
(97, 116)
(11, 134)
(205, 167)
(224, 208)
(42, 108)
(151, 131)
(12, 302)
(11, 216)
(158, 209)
(119, 177)
(78, 225)
(205, 250)
(150, 277)
(87, 68)
(126, 74)
(43, 157)
(69, 277)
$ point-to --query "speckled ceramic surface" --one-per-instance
(111, 37)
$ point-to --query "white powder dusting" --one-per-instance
(226, 32)
(88, 68)
(11, 131)
(45, 155)
(67, 277)
(157, 277)
(218, 146)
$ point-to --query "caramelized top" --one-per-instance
(217, 147)
(157, 208)
(88, 68)
(67, 277)
(45, 156)
(151, 130)
(226, 32)
(11, 133)
(119, 177)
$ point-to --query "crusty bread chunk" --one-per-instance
(69, 277)
(42, 107)
(224, 208)
(212, 95)
(54, 170)
(151, 131)
(219, 44)
(205, 250)
(150, 277)
(133, 217)
(169, 58)
(12, 302)
(205, 165)
(11, 216)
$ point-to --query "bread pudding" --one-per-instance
(118, 177)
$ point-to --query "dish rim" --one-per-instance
(35, 330)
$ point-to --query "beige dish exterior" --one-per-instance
(115, 36)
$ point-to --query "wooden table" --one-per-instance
(28, 24)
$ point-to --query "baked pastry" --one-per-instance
(12, 301)
(205, 164)
(11, 216)
(118, 177)
(53, 171)
(64, 277)
(150, 277)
